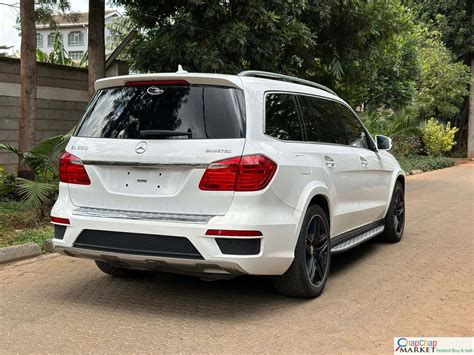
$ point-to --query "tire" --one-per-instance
(395, 218)
(118, 271)
(308, 273)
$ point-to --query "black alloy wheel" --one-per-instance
(317, 250)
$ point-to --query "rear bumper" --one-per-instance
(277, 221)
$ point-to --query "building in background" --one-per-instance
(74, 34)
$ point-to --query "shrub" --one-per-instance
(438, 138)
(404, 146)
(425, 163)
(43, 160)
(390, 123)
(7, 185)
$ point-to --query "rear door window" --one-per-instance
(281, 117)
(355, 132)
(322, 120)
(165, 112)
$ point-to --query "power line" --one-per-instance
(11, 5)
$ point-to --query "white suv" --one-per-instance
(221, 175)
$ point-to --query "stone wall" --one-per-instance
(61, 99)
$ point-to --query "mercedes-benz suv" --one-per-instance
(222, 175)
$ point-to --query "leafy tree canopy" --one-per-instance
(443, 82)
(453, 19)
(364, 49)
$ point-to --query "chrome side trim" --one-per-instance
(138, 215)
(145, 164)
(351, 243)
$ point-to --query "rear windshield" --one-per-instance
(165, 112)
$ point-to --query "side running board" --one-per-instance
(353, 238)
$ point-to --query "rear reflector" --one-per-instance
(233, 233)
(59, 220)
(72, 171)
(246, 173)
(157, 82)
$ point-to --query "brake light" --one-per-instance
(157, 82)
(233, 233)
(246, 173)
(59, 220)
(220, 175)
(255, 172)
(72, 171)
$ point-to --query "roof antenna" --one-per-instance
(181, 70)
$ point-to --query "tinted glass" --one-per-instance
(355, 132)
(281, 117)
(165, 112)
(322, 120)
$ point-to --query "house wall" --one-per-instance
(61, 99)
(65, 29)
(43, 43)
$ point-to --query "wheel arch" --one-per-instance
(323, 202)
(314, 194)
(399, 177)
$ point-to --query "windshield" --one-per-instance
(165, 112)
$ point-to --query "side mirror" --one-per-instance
(383, 142)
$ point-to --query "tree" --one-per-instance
(367, 50)
(28, 17)
(4, 54)
(470, 137)
(455, 21)
(27, 129)
(443, 82)
(96, 45)
(345, 45)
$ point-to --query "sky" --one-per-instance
(8, 15)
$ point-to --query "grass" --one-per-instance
(19, 224)
(425, 163)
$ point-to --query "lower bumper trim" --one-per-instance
(137, 244)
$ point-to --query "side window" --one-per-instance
(356, 134)
(322, 120)
(281, 117)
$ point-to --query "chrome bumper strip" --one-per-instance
(151, 216)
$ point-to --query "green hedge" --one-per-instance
(425, 163)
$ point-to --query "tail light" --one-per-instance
(246, 173)
(72, 171)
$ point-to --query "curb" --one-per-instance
(17, 252)
(416, 171)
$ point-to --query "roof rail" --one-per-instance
(282, 77)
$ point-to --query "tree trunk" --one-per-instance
(96, 45)
(26, 139)
(470, 125)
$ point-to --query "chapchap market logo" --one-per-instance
(415, 345)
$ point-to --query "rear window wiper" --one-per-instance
(164, 133)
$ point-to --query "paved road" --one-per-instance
(422, 286)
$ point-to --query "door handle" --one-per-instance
(363, 161)
(329, 161)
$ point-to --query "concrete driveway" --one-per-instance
(422, 286)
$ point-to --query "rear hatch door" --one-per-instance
(146, 145)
